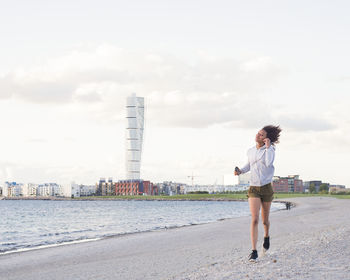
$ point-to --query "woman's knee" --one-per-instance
(266, 222)
(255, 220)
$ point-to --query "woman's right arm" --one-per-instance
(245, 168)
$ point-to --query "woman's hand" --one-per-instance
(267, 142)
(237, 171)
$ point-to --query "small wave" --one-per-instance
(8, 244)
(43, 246)
(65, 232)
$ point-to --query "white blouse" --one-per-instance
(260, 163)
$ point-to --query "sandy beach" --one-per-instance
(311, 241)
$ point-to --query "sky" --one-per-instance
(212, 73)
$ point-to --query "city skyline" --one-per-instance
(211, 78)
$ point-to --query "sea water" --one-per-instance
(29, 224)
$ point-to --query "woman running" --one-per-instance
(260, 194)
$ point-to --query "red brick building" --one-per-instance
(280, 184)
(135, 187)
(149, 188)
(298, 186)
(127, 188)
(291, 183)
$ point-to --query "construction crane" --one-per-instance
(192, 178)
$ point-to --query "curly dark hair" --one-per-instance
(273, 133)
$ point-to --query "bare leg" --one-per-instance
(254, 205)
(265, 213)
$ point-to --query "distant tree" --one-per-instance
(324, 188)
(341, 193)
(312, 188)
(199, 192)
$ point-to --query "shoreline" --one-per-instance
(306, 243)
(136, 199)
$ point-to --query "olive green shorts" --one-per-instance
(265, 192)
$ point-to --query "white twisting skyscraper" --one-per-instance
(134, 136)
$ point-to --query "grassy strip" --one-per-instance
(288, 195)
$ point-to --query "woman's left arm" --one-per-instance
(269, 156)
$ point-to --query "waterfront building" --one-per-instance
(87, 190)
(134, 136)
(205, 188)
(135, 187)
(337, 189)
(243, 182)
(129, 187)
(105, 187)
(30, 189)
(75, 190)
(279, 184)
(244, 179)
(149, 188)
(15, 191)
(337, 186)
(241, 187)
(49, 189)
(12, 189)
(292, 183)
(171, 188)
(79, 190)
(316, 183)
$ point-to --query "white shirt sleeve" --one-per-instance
(269, 156)
(245, 168)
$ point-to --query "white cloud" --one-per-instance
(211, 90)
(305, 123)
(200, 94)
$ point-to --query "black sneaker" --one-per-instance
(253, 256)
(266, 244)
